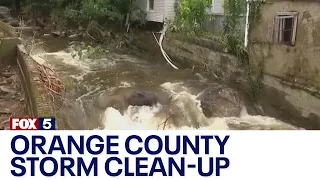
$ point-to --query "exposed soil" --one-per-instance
(12, 102)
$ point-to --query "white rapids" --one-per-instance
(187, 111)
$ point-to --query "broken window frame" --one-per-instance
(279, 27)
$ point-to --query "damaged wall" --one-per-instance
(293, 70)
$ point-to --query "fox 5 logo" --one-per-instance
(32, 124)
(47, 123)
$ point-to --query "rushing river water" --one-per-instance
(100, 86)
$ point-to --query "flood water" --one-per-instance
(99, 87)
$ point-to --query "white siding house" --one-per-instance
(158, 10)
(217, 9)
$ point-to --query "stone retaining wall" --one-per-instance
(279, 100)
(197, 53)
(26, 81)
(11, 49)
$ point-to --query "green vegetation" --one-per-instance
(99, 21)
(232, 38)
(255, 70)
(191, 15)
(235, 44)
(84, 11)
(97, 15)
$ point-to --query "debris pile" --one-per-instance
(49, 78)
(12, 101)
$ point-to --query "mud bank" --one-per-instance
(277, 99)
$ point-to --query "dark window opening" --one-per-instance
(151, 4)
(287, 30)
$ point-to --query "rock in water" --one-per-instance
(142, 99)
(184, 111)
(220, 101)
(56, 33)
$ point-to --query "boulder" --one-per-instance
(220, 101)
(142, 99)
(56, 33)
(184, 110)
(110, 100)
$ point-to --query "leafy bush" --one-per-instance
(138, 16)
(232, 38)
(191, 14)
(99, 10)
(83, 11)
(232, 10)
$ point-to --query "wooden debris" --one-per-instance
(52, 84)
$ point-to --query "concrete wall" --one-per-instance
(293, 70)
(8, 42)
(34, 90)
(203, 54)
(7, 48)
(26, 81)
(299, 63)
(199, 53)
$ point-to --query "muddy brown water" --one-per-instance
(96, 89)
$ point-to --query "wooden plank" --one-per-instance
(294, 31)
(276, 30)
(286, 17)
(293, 13)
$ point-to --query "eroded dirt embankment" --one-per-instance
(11, 99)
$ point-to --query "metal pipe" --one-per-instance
(246, 33)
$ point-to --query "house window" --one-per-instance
(151, 5)
(285, 28)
